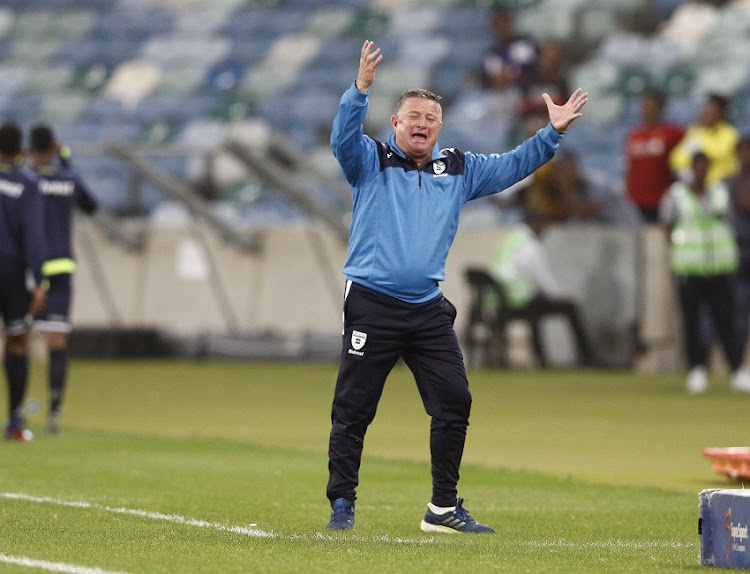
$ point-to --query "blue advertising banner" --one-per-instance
(725, 515)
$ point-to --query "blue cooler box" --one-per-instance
(725, 515)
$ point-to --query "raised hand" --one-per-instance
(562, 116)
(369, 59)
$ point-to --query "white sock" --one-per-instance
(440, 509)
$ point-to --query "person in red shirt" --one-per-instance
(647, 148)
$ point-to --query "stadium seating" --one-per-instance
(162, 71)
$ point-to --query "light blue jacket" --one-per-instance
(405, 218)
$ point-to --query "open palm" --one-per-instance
(562, 116)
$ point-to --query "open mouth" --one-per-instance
(419, 137)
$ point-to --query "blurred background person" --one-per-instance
(739, 188)
(508, 66)
(714, 136)
(521, 266)
(647, 147)
(704, 261)
(549, 76)
(21, 250)
(511, 60)
(63, 190)
(593, 198)
(533, 192)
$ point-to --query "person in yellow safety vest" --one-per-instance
(522, 268)
(704, 260)
(713, 135)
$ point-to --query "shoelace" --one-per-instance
(341, 512)
(462, 514)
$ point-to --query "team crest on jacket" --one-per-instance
(358, 340)
(438, 167)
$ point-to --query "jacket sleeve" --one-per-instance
(487, 174)
(356, 153)
(84, 198)
(34, 239)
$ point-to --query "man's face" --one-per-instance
(700, 168)
(417, 124)
(743, 153)
(651, 109)
(710, 114)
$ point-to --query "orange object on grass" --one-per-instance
(733, 461)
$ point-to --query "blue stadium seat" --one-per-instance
(86, 133)
(683, 109)
(320, 75)
(78, 133)
(202, 133)
(91, 77)
(23, 110)
(358, 4)
(449, 78)
(664, 8)
(159, 132)
(112, 192)
(462, 21)
(256, 24)
(121, 24)
(165, 106)
(109, 52)
(174, 165)
(168, 50)
(102, 108)
(14, 78)
(4, 105)
(248, 52)
(224, 77)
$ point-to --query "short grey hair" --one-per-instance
(417, 93)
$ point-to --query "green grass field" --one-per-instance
(221, 467)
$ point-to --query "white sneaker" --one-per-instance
(741, 381)
(697, 381)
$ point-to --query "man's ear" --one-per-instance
(394, 122)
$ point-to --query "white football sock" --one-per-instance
(440, 509)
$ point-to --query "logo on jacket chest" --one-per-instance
(11, 189)
(56, 187)
(438, 167)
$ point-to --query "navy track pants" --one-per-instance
(717, 292)
(378, 331)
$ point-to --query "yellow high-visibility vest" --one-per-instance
(703, 241)
(519, 289)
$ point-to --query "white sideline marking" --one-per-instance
(245, 530)
(610, 544)
(383, 538)
(53, 566)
